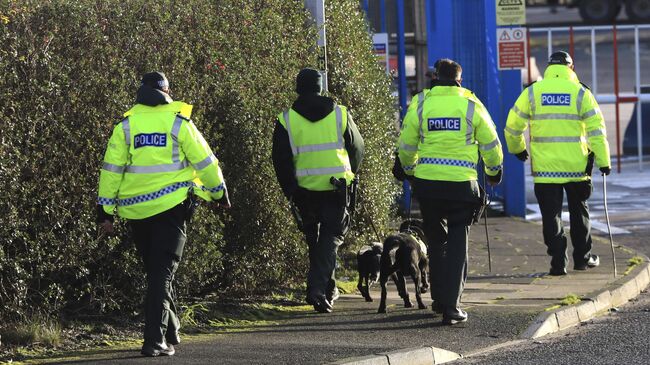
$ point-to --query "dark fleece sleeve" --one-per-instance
(283, 160)
(353, 144)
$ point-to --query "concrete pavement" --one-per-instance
(514, 301)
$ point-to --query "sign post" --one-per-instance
(511, 12)
(317, 10)
(380, 48)
(511, 48)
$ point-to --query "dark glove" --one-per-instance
(522, 156)
(102, 216)
(398, 170)
(224, 201)
(496, 179)
(300, 196)
(605, 170)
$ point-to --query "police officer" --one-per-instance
(155, 163)
(439, 145)
(566, 130)
(313, 141)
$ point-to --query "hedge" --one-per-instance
(70, 68)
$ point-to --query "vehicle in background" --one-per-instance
(603, 11)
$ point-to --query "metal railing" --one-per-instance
(617, 97)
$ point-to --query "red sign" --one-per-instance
(511, 48)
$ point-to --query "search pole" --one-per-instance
(317, 10)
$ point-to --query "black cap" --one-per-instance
(157, 80)
(560, 58)
(309, 81)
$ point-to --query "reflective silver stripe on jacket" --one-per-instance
(597, 132)
(420, 116)
(489, 146)
(558, 116)
(557, 139)
(521, 114)
(469, 116)
(322, 171)
(157, 168)
(126, 127)
(339, 144)
(408, 147)
(176, 128)
(581, 96)
(113, 168)
(514, 132)
(531, 99)
(205, 163)
(590, 113)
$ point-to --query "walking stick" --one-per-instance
(609, 228)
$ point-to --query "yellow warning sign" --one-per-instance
(511, 12)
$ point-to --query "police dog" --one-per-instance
(405, 253)
(368, 264)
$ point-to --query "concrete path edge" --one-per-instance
(614, 295)
(426, 355)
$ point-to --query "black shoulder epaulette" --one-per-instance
(120, 121)
(182, 117)
(586, 87)
(530, 84)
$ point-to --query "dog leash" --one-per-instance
(609, 228)
(487, 235)
(372, 223)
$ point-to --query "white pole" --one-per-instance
(594, 82)
(549, 37)
(637, 66)
(317, 10)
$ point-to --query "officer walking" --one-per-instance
(313, 141)
(155, 162)
(566, 130)
(439, 145)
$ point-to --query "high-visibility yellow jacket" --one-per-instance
(441, 138)
(318, 148)
(565, 125)
(154, 156)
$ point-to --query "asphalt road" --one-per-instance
(619, 337)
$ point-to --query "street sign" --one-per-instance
(380, 49)
(511, 48)
(511, 12)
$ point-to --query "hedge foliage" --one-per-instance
(70, 68)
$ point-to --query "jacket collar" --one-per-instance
(560, 72)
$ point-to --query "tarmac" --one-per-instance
(517, 301)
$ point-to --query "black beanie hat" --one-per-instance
(157, 80)
(560, 58)
(309, 81)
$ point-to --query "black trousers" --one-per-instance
(446, 226)
(325, 221)
(550, 198)
(160, 240)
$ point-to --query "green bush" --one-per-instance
(70, 68)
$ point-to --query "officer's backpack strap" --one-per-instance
(530, 84)
(585, 86)
(117, 122)
(179, 115)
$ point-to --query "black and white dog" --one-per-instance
(368, 259)
(405, 253)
